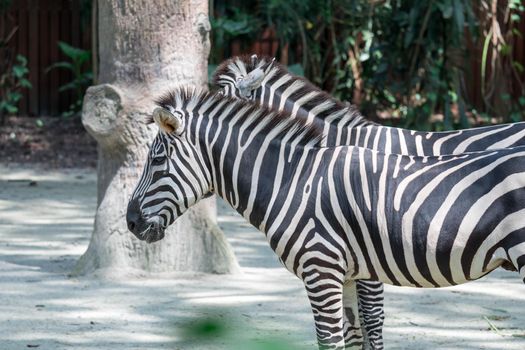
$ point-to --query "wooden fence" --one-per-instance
(41, 24)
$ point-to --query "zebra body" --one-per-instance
(269, 84)
(276, 88)
(334, 215)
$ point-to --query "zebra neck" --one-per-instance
(300, 99)
(250, 178)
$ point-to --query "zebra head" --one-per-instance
(173, 178)
(241, 76)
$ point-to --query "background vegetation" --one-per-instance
(412, 60)
(420, 64)
(13, 72)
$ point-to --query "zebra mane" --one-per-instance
(241, 65)
(246, 63)
(189, 99)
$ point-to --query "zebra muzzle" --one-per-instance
(154, 231)
(146, 229)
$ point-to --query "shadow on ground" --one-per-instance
(45, 226)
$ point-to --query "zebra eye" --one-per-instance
(158, 160)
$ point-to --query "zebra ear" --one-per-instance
(167, 121)
(253, 58)
(269, 66)
(251, 82)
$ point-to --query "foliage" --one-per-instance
(12, 81)
(499, 69)
(410, 58)
(4, 5)
(214, 330)
(413, 59)
(13, 72)
(231, 24)
(86, 8)
(79, 65)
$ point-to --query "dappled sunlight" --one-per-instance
(110, 335)
(250, 246)
(487, 313)
(40, 305)
(225, 300)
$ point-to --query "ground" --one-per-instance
(52, 142)
(46, 219)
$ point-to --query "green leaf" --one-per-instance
(459, 16)
(206, 329)
(453, 96)
(432, 96)
(514, 4)
(20, 71)
(484, 58)
(518, 66)
(22, 60)
(390, 97)
(72, 52)
(88, 77)
(69, 86)
(515, 117)
(505, 49)
(11, 109)
(65, 65)
(39, 123)
(25, 83)
(13, 96)
(447, 10)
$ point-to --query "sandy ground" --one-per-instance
(45, 224)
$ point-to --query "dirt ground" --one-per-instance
(46, 219)
(51, 142)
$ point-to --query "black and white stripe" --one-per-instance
(275, 87)
(280, 90)
(336, 215)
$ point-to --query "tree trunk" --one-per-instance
(145, 47)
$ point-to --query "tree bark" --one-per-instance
(144, 48)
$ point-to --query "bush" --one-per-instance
(13, 77)
(408, 58)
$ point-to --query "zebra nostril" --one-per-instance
(133, 217)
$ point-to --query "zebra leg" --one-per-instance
(326, 299)
(370, 298)
(352, 326)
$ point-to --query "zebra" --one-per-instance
(270, 84)
(334, 215)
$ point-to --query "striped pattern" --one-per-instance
(335, 215)
(343, 125)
